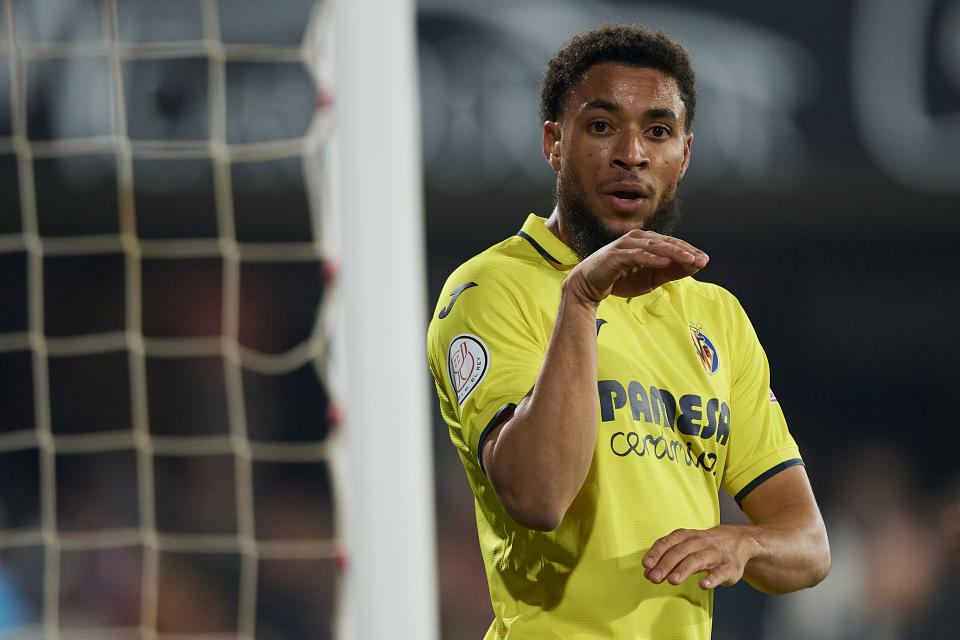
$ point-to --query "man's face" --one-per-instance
(619, 151)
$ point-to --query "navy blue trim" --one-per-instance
(766, 476)
(494, 422)
(536, 245)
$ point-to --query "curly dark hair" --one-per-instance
(632, 45)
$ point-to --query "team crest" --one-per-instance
(467, 361)
(705, 349)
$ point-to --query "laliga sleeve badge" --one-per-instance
(467, 362)
(707, 353)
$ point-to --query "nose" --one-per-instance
(630, 152)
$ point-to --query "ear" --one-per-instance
(551, 144)
(687, 149)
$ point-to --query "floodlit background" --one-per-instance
(824, 184)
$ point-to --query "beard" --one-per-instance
(587, 233)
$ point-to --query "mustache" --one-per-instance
(587, 233)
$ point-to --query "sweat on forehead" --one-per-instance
(630, 45)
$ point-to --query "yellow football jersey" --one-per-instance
(685, 408)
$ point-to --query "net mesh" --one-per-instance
(166, 395)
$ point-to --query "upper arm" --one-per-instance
(485, 355)
(795, 551)
(489, 442)
(787, 491)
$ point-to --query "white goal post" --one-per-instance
(391, 590)
(391, 584)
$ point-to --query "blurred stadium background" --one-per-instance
(825, 185)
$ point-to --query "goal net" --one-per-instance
(170, 457)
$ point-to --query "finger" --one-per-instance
(657, 244)
(700, 258)
(680, 242)
(694, 562)
(686, 246)
(664, 544)
(669, 562)
(626, 258)
(724, 573)
(661, 561)
(619, 265)
(671, 241)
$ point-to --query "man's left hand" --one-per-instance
(723, 552)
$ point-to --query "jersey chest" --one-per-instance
(663, 389)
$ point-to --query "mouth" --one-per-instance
(627, 199)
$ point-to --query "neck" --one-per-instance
(553, 224)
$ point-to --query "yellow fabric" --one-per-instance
(650, 474)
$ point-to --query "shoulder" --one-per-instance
(507, 284)
(708, 294)
(510, 260)
(711, 305)
(509, 271)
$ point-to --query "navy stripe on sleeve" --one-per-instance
(490, 427)
(766, 476)
(536, 245)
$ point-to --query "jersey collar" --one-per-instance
(549, 246)
(560, 256)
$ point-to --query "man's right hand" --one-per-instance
(636, 263)
(538, 459)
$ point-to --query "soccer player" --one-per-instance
(599, 396)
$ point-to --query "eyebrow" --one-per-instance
(662, 114)
(652, 114)
(606, 105)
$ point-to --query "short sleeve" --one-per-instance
(760, 442)
(485, 351)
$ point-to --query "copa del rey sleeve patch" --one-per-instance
(467, 362)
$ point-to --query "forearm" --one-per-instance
(541, 457)
(792, 551)
(537, 460)
(784, 549)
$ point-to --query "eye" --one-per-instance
(659, 131)
(599, 126)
